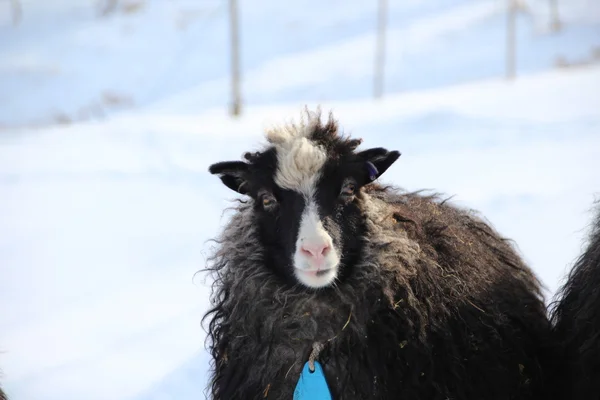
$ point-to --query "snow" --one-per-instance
(106, 221)
(78, 66)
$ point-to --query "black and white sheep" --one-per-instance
(576, 318)
(405, 295)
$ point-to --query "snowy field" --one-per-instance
(104, 220)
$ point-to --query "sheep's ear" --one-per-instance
(233, 174)
(377, 161)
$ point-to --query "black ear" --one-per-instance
(377, 161)
(233, 174)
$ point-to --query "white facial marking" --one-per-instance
(299, 165)
(316, 259)
(299, 160)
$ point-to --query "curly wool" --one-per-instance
(440, 307)
(2, 394)
(576, 318)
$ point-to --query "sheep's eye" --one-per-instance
(348, 190)
(268, 201)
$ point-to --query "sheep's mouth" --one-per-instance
(316, 275)
(320, 272)
(315, 272)
(316, 278)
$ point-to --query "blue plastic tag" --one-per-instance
(312, 385)
(373, 172)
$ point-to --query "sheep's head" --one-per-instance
(306, 191)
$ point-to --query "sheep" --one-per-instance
(396, 294)
(576, 320)
(2, 394)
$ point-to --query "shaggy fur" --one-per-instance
(299, 160)
(576, 318)
(2, 394)
(436, 306)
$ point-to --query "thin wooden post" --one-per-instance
(108, 7)
(235, 58)
(380, 51)
(555, 19)
(17, 11)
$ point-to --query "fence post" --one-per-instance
(17, 11)
(235, 58)
(555, 24)
(380, 51)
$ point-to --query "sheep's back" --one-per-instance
(577, 323)
(441, 306)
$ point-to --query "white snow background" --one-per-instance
(108, 125)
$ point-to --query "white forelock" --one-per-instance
(299, 160)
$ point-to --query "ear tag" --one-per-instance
(312, 385)
(373, 172)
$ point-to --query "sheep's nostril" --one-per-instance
(316, 251)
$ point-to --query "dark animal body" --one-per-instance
(2, 394)
(429, 301)
(576, 318)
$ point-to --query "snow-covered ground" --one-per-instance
(104, 223)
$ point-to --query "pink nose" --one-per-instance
(318, 250)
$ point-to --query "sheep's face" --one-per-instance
(307, 200)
